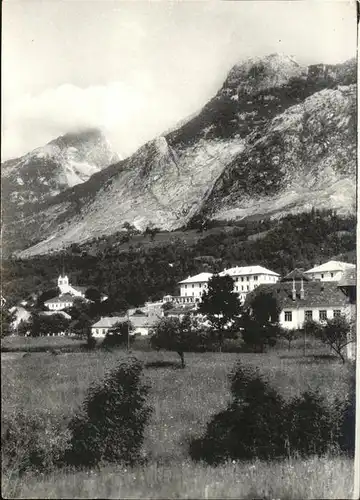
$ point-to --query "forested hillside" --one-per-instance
(132, 269)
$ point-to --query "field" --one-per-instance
(37, 344)
(183, 400)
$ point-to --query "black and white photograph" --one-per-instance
(178, 250)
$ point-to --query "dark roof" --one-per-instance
(297, 275)
(348, 278)
(316, 294)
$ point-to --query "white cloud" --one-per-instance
(128, 114)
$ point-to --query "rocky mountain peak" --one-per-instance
(64, 162)
(260, 73)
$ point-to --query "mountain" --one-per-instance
(276, 138)
(46, 171)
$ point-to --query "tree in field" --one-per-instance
(265, 307)
(335, 334)
(221, 305)
(289, 334)
(260, 322)
(312, 328)
(82, 325)
(41, 325)
(173, 334)
(6, 318)
(118, 334)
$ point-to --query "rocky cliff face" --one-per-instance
(276, 138)
(62, 163)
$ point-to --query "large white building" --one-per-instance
(330, 271)
(192, 288)
(247, 278)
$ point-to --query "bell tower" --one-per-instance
(63, 284)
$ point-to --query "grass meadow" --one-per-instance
(183, 400)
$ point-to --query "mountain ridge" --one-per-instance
(255, 146)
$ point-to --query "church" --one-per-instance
(68, 294)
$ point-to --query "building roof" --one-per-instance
(109, 321)
(51, 313)
(139, 321)
(332, 265)
(297, 275)
(348, 278)
(316, 294)
(79, 288)
(245, 270)
(199, 278)
(66, 297)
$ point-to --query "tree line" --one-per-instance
(140, 273)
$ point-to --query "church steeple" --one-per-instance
(63, 283)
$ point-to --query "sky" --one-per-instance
(136, 68)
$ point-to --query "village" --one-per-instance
(320, 293)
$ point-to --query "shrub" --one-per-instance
(347, 423)
(91, 343)
(32, 441)
(111, 424)
(311, 426)
(258, 423)
(251, 426)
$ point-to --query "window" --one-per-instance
(288, 315)
(192, 286)
(185, 286)
(322, 275)
(332, 275)
(247, 287)
(242, 278)
(256, 278)
(322, 315)
(337, 313)
(247, 278)
(308, 315)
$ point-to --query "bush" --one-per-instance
(91, 343)
(258, 423)
(32, 441)
(312, 428)
(111, 424)
(251, 426)
(347, 424)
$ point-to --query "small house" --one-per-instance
(101, 327)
